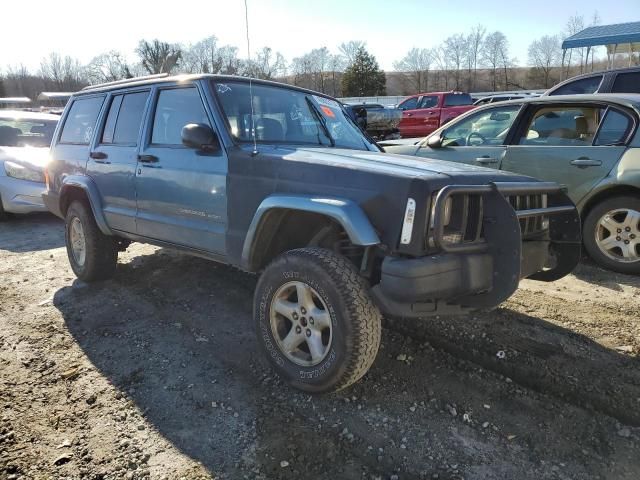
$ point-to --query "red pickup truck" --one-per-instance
(425, 112)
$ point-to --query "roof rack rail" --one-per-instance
(125, 81)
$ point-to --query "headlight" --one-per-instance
(21, 172)
(461, 220)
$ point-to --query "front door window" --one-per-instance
(488, 127)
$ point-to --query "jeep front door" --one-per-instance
(181, 191)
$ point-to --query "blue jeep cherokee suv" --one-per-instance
(279, 180)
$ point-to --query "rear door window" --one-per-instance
(429, 101)
(627, 83)
(124, 119)
(579, 87)
(81, 120)
(563, 126)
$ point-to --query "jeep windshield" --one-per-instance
(286, 116)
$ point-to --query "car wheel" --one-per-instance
(92, 254)
(316, 320)
(612, 234)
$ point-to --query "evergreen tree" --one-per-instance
(363, 78)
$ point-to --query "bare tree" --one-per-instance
(350, 49)
(544, 54)
(574, 25)
(158, 57)
(474, 45)
(416, 64)
(494, 52)
(62, 73)
(443, 64)
(267, 65)
(455, 47)
(108, 67)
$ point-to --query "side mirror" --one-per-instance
(200, 137)
(434, 141)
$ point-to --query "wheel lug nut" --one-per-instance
(628, 229)
(632, 236)
(303, 310)
(626, 242)
(618, 238)
(295, 316)
(298, 329)
(308, 332)
(311, 318)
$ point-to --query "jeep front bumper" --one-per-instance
(483, 273)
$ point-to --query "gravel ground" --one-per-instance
(155, 374)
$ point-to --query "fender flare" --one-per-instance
(346, 212)
(91, 191)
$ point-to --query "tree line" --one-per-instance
(477, 60)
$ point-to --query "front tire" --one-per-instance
(316, 321)
(612, 234)
(92, 254)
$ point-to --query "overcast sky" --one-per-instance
(85, 28)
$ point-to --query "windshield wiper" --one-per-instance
(322, 121)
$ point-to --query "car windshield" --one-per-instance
(26, 132)
(284, 115)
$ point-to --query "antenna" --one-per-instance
(253, 125)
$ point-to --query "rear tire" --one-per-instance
(607, 227)
(334, 349)
(92, 254)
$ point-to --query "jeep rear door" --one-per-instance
(181, 191)
(113, 158)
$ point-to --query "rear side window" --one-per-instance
(124, 118)
(457, 99)
(429, 101)
(81, 120)
(409, 104)
(614, 128)
(579, 87)
(175, 109)
(627, 83)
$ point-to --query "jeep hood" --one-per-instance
(391, 164)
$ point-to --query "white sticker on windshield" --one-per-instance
(223, 88)
(326, 101)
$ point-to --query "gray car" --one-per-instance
(24, 149)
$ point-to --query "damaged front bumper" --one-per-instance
(513, 239)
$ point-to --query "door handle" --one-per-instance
(583, 162)
(98, 155)
(486, 160)
(409, 114)
(147, 159)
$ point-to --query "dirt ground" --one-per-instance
(156, 374)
